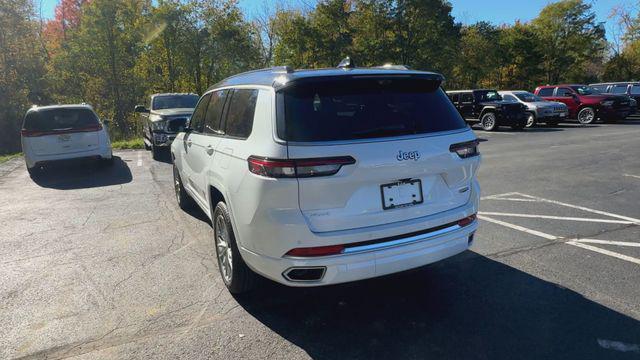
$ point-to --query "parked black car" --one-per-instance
(629, 88)
(489, 109)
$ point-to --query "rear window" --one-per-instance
(60, 119)
(351, 109)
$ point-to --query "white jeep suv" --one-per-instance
(317, 177)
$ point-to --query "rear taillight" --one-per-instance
(300, 168)
(34, 133)
(466, 221)
(466, 149)
(316, 251)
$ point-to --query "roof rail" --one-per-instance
(282, 69)
(346, 63)
(393, 67)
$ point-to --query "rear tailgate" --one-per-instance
(353, 198)
(398, 130)
(61, 130)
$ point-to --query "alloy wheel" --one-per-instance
(223, 249)
(586, 116)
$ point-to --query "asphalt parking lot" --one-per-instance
(101, 263)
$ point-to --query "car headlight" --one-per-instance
(606, 103)
(159, 125)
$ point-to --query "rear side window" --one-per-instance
(242, 108)
(466, 98)
(619, 89)
(60, 119)
(635, 89)
(197, 119)
(454, 97)
(601, 88)
(214, 112)
(350, 109)
(545, 92)
(509, 97)
(564, 92)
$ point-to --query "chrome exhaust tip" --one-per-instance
(304, 274)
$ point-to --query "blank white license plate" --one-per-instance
(401, 193)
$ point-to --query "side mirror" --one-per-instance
(140, 109)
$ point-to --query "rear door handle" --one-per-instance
(210, 150)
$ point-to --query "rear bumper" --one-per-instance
(33, 160)
(363, 262)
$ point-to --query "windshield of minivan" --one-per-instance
(352, 109)
(60, 119)
(489, 95)
(585, 90)
(528, 97)
(174, 101)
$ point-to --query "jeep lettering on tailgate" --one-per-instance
(408, 155)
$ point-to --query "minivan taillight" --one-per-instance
(292, 168)
(466, 149)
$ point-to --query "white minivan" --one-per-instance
(63, 132)
(317, 177)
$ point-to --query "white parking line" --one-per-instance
(605, 252)
(633, 176)
(139, 159)
(556, 217)
(608, 242)
(519, 228)
(632, 220)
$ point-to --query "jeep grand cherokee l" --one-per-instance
(489, 109)
(318, 177)
(587, 104)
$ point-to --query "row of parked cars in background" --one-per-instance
(549, 104)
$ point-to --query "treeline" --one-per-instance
(113, 53)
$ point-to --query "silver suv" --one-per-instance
(539, 110)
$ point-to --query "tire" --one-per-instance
(184, 200)
(531, 120)
(235, 273)
(155, 153)
(489, 122)
(586, 116)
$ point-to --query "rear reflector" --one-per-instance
(292, 168)
(35, 133)
(466, 149)
(316, 251)
(466, 221)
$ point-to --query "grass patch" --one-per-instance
(128, 144)
(8, 157)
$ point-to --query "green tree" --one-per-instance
(478, 63)
(21, 69)
(520, 58)
(571, 41)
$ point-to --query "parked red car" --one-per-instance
(587, 104)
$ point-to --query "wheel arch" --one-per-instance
(486, 110)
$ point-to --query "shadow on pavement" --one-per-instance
(466, 307)
(164, 155)
(83, 174)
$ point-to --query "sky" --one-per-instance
(465, 11)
